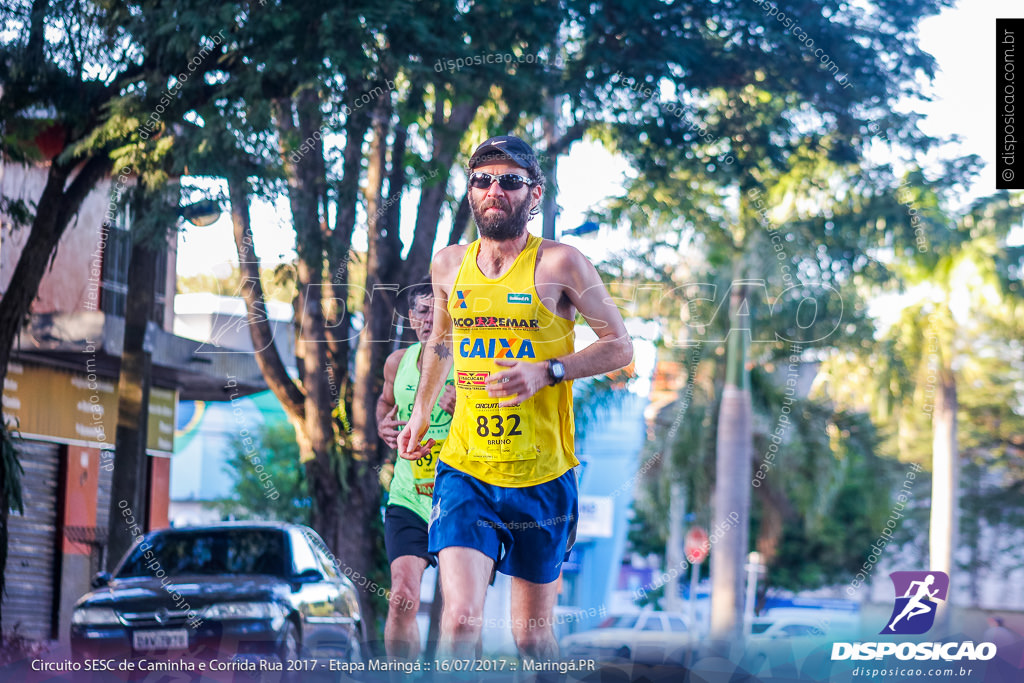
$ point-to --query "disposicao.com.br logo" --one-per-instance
(917, 596)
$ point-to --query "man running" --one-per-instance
(506, 491)
(405, 519)
(916, 604)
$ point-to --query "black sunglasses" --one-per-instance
(509, 182)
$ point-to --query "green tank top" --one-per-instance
(413, 484)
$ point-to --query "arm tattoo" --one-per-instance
(441, 349)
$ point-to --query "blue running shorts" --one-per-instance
(527, 531)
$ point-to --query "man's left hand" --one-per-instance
(522, 380)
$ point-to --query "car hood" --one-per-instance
(196, 590)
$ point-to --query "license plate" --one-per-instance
(170, 639)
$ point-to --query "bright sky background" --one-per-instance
(962, 39)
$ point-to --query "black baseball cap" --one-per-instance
(507, 147)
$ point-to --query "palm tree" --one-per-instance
(955, 267)
(820, 488)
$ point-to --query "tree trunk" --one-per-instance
(732, 481)
(344, 503)
(945, 504)
(363, 495)
(460, 221)
(448, 135)
(267, 357)
(549, 166)
(674, 557)
(775, 510)
(339, 244)
(378, 303)
(130, 485)
(303, 198)
(555, 146)
(359, 539)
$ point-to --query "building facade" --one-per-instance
(60, 398)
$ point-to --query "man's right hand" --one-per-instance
(409, 446)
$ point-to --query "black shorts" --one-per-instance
(405, 533)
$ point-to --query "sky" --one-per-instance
(962, 40)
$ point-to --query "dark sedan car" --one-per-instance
(248, 593)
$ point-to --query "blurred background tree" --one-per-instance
(274, 448)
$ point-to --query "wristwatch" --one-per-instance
(556, 371)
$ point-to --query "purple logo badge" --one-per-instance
(917, 596)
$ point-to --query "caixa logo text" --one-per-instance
(948, 652)
(496, 348)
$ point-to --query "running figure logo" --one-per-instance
(917, 594)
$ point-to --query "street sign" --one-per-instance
(696, 545)
(597, 517)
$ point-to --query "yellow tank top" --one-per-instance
(522, 445)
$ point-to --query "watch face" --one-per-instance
(556, 370)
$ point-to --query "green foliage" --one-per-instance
(273, 449)
(210, 283)
(681, 451)
(822, 500)
(278, 283)
(11, 497)
(17, 212)
(647, 534)
(959, 283)
(836, 516)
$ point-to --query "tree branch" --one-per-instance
(95, 169)
(267, 356)
(570, 136)
(448, 137)
(460, 221)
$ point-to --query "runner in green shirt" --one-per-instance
(409, 499)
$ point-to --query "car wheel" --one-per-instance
(623, 652)
(355, 650)
(290, 652)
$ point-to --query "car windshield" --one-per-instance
(219, 551)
